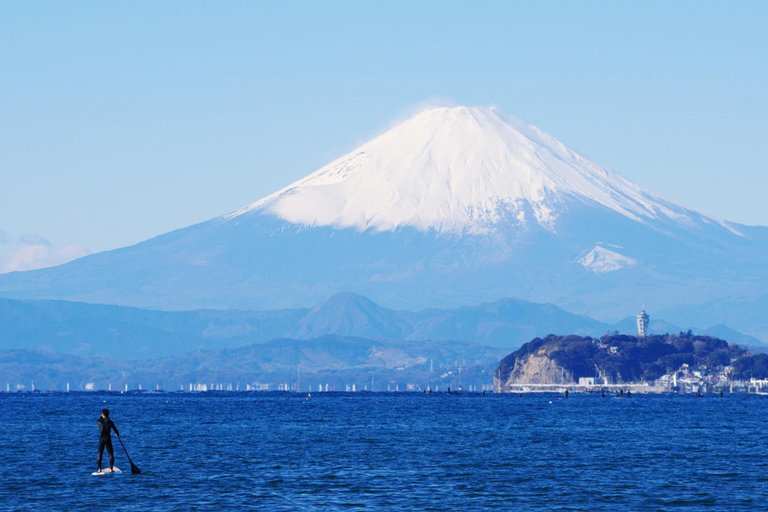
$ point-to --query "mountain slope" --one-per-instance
(506, 322)
(749, 311)
(129, 333)
(352, 315)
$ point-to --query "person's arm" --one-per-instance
(114, 427)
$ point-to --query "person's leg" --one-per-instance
(101, 451)
(111, 455)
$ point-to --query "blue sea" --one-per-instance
(398, 451)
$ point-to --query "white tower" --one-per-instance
(642, 324)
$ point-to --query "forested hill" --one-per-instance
(623, 358)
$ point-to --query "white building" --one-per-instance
(642, 324)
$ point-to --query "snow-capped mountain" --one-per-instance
(453, 206)
(460, 170)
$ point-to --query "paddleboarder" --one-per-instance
(106, 425)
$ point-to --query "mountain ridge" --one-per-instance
(132, 333)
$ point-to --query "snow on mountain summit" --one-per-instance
(459, 170)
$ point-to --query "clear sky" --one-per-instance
(120, 121)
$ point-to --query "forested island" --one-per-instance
(667, 361)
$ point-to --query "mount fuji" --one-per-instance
(453, 206)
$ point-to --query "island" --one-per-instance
(683, 362)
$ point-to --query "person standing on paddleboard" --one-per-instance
(106, 425)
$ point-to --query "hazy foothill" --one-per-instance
(345, 342)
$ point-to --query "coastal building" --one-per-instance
(642, 324)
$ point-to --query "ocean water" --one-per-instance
(399, 451)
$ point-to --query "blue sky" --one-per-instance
(124, 120)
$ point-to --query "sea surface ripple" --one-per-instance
(389, 451)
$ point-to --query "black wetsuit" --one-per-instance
(105, 439)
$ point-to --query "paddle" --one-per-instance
(134, 468)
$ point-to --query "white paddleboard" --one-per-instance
(107, 471)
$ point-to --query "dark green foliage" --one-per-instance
(675, 361)
(753, 366)
(640, 359)
(653, 371)
(718, 358)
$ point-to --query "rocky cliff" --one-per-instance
(533, 368)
